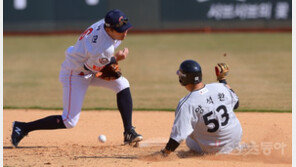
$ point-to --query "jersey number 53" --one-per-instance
(215, 121)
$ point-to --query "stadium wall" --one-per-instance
(47, 16)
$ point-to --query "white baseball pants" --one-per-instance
(74, 89)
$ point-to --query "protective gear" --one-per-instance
(189, 73)
(221, 71)
(110, 72)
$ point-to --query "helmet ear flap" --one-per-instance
(195, 77)
(189, 78)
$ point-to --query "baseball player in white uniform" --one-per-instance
(93, 51)
(205, 117)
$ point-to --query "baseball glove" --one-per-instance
(221, 71)
(109, 72)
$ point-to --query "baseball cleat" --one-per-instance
(131, 137)
(18, 133)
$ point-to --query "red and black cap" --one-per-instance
(117, 20)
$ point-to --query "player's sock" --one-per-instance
(50, 122)
(125, 107)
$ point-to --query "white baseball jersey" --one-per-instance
(94, 49)
(207, 117)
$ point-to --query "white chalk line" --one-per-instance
(152, 142)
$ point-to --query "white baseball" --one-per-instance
(102, 138)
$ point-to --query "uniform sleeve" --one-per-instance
(117, 44)
(234, 97)
(184, 123)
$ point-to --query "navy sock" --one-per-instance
(125, 107)
(50, 122)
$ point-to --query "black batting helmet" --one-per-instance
(189, 73)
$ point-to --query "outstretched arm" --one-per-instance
(221, 71)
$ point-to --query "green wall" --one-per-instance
(76, 15)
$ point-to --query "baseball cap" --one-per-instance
(117, 20)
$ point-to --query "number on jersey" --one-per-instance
(215, 121)
(86, 32)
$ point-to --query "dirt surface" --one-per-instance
(268, 135)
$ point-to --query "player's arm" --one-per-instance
(96, 62)
(221, 71)
(120, 55)
(182, 128)
(171, 146)
(103, 61)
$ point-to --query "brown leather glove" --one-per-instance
(221, 70)
(110, 72)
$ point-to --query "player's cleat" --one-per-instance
(131, 137)
(18, 133)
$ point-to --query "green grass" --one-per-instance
(260, 64)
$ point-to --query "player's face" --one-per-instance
(118, 35)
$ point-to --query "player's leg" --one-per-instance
(124, 104)
(194, 146)
(123, 96)
(74, 89)
(233, 143)
(21, 129)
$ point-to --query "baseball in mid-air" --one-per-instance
(102, 138)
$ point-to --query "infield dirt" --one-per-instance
(269, 136)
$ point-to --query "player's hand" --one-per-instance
(164, 152)
(221, 70)
(121, 54)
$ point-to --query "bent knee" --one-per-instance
(123, 84)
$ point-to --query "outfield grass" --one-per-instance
(261, 69)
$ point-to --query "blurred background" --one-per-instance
(254, 34)
(148, 15)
